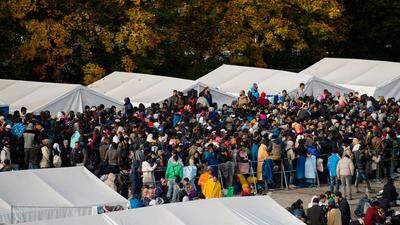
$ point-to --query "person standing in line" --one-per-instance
(345, 171)
(363, 165)
(333, 162)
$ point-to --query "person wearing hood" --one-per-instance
(253, 93)
(57, 161)
(333, 161)
(128, 108)
(174, 172)
(297, 210)
(212, 188)
(261, 156)
(389, 191)
(262, 101)
(207, 94)
(75, 137)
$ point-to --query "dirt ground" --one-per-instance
(287, 197)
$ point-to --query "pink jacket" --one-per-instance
(345, 167)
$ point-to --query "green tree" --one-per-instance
(374, 30)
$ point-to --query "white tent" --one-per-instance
(371, 77)
(237, 210)
(42, 194)
(3, 103)
(147, 89)
(55, 97)
(316, 86)
(232, 79)
(4, 107)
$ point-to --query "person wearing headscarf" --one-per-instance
(334, 216)
(57, 161)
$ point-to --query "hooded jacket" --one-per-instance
(174, 169)
(333, 161)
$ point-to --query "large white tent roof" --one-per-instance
(233, 79)
(52, 193)
(147, 89)
(370, 77)
(55, 97)
(237, 210)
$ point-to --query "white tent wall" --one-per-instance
(233, 79)
(389, 90)
(236, 210)
(282, 81)
(218, 96)
(33, 195)
(161, 90)
(3, 103)
(364, 76)
(316, 86)
(54, 97)
(368, 90)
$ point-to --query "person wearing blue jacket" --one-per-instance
(333, 161)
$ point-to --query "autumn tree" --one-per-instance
(254, 32)
(81, 41)
(62, 40)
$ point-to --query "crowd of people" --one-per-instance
(334, 209)
(188, 147)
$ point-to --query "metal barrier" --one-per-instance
(284, 182)
(20, 214)
(282, 172)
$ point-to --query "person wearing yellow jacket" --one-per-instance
(262, 155)
(204, 177)
(212, 188)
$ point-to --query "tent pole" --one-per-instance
(12, 214)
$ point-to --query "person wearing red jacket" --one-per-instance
(372, 216)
